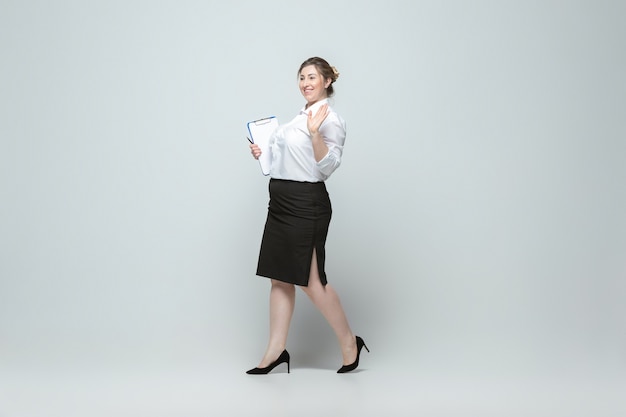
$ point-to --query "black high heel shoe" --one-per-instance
(359, 345)
(284, 357)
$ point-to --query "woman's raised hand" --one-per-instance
(255, 150)
(314, 121)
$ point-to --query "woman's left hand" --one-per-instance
(314, 121)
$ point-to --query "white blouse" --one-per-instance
(292, 150)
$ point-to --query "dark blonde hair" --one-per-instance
(325, 69)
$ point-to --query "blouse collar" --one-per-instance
(314, 107)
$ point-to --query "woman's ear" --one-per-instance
(328, 82)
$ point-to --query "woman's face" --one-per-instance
(313, 85)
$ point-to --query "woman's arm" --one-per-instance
(313, 123)
(255, 150)
(327, 140)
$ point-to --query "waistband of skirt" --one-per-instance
(296, 182)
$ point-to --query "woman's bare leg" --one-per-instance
(282, 302)
(327, 301)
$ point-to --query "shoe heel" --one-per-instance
(347, 368)
(283, 358)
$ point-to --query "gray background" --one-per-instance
(478, 232)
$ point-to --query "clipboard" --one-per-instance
(260, 131)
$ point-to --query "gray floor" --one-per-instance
(193, 386)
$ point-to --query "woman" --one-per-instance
(305, 152)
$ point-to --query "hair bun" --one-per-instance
(335, 73)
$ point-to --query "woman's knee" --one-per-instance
(314, 289)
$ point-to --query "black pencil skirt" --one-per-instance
(297, 222)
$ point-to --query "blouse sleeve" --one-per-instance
(333, 131)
